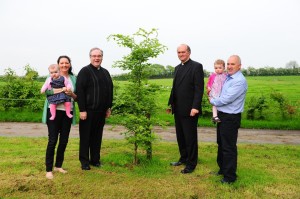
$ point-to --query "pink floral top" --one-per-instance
(215, 83)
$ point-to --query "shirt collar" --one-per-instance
(234, 75)
(185, 62)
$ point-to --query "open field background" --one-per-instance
(259, 86)
(288, 86)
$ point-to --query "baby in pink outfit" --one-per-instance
(215, 83)
(57, 81)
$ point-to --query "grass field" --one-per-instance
(257, 86)
(289, 86)
(264, 171)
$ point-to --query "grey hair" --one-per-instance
(187, 47)
(238, 59)
(96, 48)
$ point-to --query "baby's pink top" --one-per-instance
(215, 83)
(47, 85)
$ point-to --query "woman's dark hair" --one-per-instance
(68, 58)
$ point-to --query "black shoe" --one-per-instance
(223, 181)
(187, 170)
(176, 163)
(85, 167)
(96, 164)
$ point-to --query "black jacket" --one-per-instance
(188, 88)
(94, 89)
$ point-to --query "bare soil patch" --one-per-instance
(205, 134)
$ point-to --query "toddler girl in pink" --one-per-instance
(57, 81)
(215, 83)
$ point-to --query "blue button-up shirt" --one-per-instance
(232, 97)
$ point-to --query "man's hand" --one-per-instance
(194, 112)
(83, 115)
(208, 89)
(108, 113)
(168, 110)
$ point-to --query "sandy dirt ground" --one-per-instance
(166, 134)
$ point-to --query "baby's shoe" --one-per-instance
(216, 119)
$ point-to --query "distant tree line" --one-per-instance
(291, 68)
(157, 71)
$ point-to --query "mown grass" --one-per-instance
(264, 171)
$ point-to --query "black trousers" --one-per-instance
(227, 134)
(57, 128)
(90, 133)
(187, 139)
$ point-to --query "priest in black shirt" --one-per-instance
(94, 97)
(185, 103)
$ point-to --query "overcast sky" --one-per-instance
(37, 32)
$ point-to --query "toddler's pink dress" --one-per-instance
(215, 83)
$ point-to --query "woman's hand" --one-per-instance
(70, 93)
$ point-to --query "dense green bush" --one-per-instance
(21, 92)
(286, 109)
(256, 106)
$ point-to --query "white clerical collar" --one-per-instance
(184, 62)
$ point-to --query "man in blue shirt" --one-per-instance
(230, 105)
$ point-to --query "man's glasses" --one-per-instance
(96, 56)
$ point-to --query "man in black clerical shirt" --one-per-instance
(94, 97)
(185, 103)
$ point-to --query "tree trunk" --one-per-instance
(135, 153)
(149, 144)
(149, 151)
